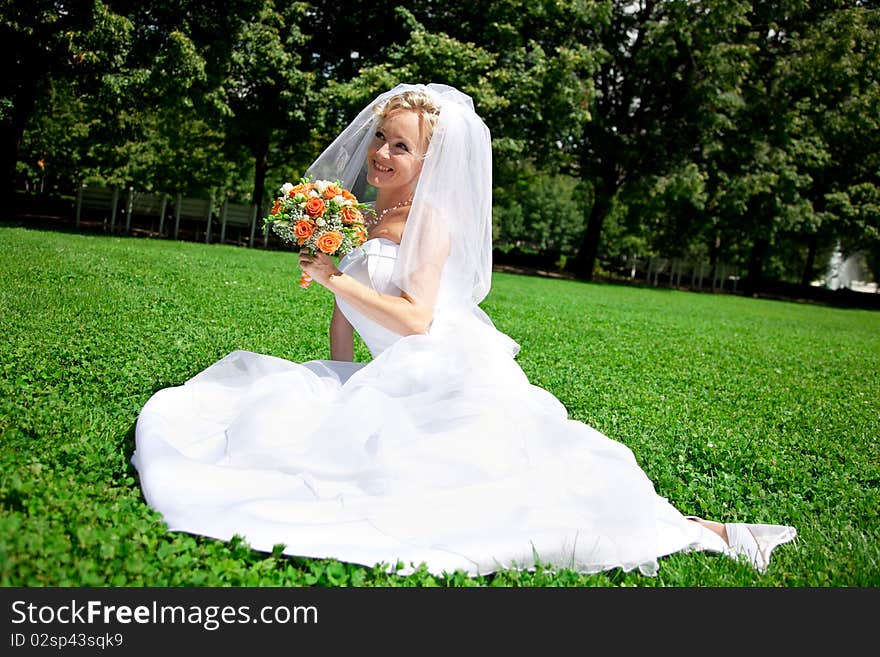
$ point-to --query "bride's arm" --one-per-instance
(341, 336)
(402, 314)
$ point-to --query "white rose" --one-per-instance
(314, 193)
(320, 186)
(285, 189)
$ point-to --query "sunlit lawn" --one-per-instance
(737, 408)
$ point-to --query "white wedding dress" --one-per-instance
(439, 450)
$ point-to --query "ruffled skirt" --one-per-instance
(437, 451)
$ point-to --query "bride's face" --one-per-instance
(394, 159)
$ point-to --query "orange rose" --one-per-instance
(315, 207)
(348, 195)
(302, 188)
(330, 241)
(303, 230)
(277, 207)
(351, 215)
(332, 191)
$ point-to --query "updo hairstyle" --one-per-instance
(417, 101)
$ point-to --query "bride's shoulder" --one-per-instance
(432, 228)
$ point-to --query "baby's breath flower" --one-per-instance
(284, 231)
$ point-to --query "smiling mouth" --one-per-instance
(379, 167)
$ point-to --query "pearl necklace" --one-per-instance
(372, 223)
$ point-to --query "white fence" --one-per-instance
(113, 206)
(679, 272)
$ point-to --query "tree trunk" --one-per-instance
(586, 260)
(807, 276)
(11, 131)
(261, 166)
(605, 189)
(714, 250)
(756, 266)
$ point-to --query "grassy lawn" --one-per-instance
(738, 409)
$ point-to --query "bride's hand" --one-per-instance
(319, 266)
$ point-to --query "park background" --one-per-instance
(730, 147)
(701, 144)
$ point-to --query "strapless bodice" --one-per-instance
(371, 264)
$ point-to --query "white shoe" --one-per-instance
(756, 542)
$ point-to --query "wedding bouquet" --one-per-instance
(318, 215)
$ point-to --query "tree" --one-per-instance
(524, 65)
(765, 167)
(145, 105)
(269, 95)
(651, 92)
(832, 78)
(162, 116)
(47, 39)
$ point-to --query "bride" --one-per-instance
(438, 450)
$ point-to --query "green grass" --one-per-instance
(737, 408)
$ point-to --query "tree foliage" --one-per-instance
(736, 130)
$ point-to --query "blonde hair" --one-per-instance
(416, 101)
